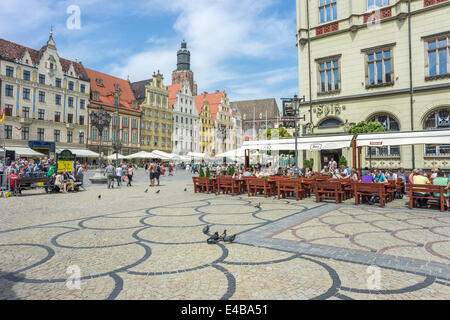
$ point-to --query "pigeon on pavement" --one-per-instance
(230, 239)
(99, 196)
(146, 190)
(258, 205)
(223, 235)
(158, 191)
(206, 230)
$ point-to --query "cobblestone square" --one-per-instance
(132, 244)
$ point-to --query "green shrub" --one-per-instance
(342, 161)
(201, 174)
(307, 163)
(208, 173)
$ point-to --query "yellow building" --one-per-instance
(358, 54)
(157, 115)
(206, 125)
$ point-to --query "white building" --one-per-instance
(185, 134)
(44, 97)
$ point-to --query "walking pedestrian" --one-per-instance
(130, 173)
(119, 175)
(109, 172)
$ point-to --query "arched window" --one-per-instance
(437, 120)
(390, 124)
(331, 122)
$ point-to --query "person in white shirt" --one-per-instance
(119, 175)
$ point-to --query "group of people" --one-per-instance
(155, 170)
(65, 181)
(121, 173)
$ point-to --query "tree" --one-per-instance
(366, 127)
(282, 133)
(201, 174)
(307, 163)
(208, 172)
(342, 161)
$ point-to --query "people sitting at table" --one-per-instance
(237, 174)
(420, 178)
(324, 170)
(69, 181)
(440, 180)
(354, 175)
(59, 182)
(247, 173)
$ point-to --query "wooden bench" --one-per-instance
(368, 189)
(328, 190)
(287, 187)
(226, 184)
(259, 185)
(308, 185)
(30, 183)
(415, 189)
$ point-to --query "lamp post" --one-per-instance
(295, 105)
(100, 121)
(223, 132)
(117, 146)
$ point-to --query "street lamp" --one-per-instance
(100, 120)
(117, 146)
(295, 104)
(223, 132)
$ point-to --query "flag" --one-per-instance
(2, 117)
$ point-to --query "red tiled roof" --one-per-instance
(106, 90)
(10, 51)
(173, 92)
(214, 100)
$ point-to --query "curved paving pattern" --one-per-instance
(133, 245)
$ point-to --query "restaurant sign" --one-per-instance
(376, 143)
(65, 161)
(316, 147)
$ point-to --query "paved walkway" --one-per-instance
(132, 244)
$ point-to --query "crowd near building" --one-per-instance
(375, 60)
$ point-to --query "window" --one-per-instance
(116, 121)
(58, 99)
(41, 114)
(25, 112)
(329, 75)
(134, 123)
(82, 104)
(327, 10)
(163, 128)
(81, 138)
(163, 115)
(389, 124)
(69, 118)
(41, 96)
(8, 132)
(9, 71)
(40, 134)
(25, 133)
(95, 96)
(438, 56)
(125, 121)
(373, 4)
(125, 137)
(163, 142)
(71, 85)
(26, 75)
(176, 118)
(379, 67)
(168, 128)
(57, 116)
(57, 135)
(155, 141)
(26, 93)
(149, 126)
(156, 127)
(58, 83)
(83, 88)
(81, 123)
(69, 136)
(9, 90)
(148, 141)
(116, 135)
(70, 102)
(116, 101)
(94, 134)
(105, 134)
(100, 82)
(134, 138)
(8, 110)
(438, 120)
(41, 78)
(156, 114)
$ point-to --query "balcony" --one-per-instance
(26, 120)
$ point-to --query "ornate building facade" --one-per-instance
(114, 95)
(360, 70)
(206, 125)
(186, 133)
(157, 115)
(45, 98)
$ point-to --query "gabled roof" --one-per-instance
(139, 89)
(214, 100)
(107, 89)
(252, 108)
(10, 51)
(173, 92)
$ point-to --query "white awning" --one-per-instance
(303, 143)
(25, 152)
(113, 156)
(403, 138)
(163, 155)
(143, 155)
(81, 153)
(197, 155)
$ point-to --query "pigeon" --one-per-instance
(99, 196)
(146, 190)
(206, 230)
(158, 191)
(230, 239)
(223, 235)
(185, 189)
(258, 205)
(215, 236)
(213, 239)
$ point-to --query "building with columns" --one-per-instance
(45, 98)
(362, 70)
(183, 71)
(157, 115)
(186, 133)
(114, 95)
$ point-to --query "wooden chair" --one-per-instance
(259, 185)
(415, 192)
(227, 184)
(368, 189)
(328, 190)
(288, 187)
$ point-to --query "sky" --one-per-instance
(246, 47)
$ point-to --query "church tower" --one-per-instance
(183, 71)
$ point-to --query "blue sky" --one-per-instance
(244, 46)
